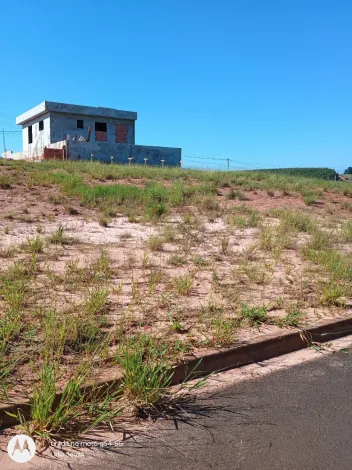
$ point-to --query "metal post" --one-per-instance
(111, 159)
(162, 163)
(181, 163)
(91, 157)
(228, 164)
(3, 136)
(129, 160)
(145, 161)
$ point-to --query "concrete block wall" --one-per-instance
(102, 151)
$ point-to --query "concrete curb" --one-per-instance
(257, 351)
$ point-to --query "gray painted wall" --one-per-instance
(121, 152)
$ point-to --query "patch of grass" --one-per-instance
(155, 243)
(224, 245)
(109, 211)
(244, 217)
(199, 261)
(309, 198)
(297, 220)
(176, 260)
(8, 252)
(60, 238)
(251, 272)
(169, 234)
(76, 409)
(346, 231)
(293, 319)
(183, 284)
(104, 220)
(191, 219)
(223, 331)
(155, 210)
(210, 206)
(5, 182)
(274, 240)
(146, 374)
(72, 210)
(176, 325)
(33, 245)
(97, 302)
(155, 279)
(235, 194)
(332, 294)
(56, 199)
(125, 236)
(254, 316)
(181, 347)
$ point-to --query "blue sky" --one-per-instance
(265, 82)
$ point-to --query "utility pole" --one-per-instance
(228, 164)
(3, 137)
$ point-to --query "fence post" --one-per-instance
(228, 164)
(129, 160)
(111, 159)
(91, 157)
(145, 161)
(162, 163)
(181, 163)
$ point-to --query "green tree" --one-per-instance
(348, 171)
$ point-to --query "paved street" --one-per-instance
(297, 418)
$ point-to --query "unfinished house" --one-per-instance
(66, 131)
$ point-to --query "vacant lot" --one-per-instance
(100, 261)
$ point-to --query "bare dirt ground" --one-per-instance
(198, 278)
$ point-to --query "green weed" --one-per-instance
(254, 316)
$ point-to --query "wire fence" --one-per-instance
(211, 163)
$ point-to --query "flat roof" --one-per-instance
(51, 106)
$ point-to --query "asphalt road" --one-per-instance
(291, 413)
(299, 418)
